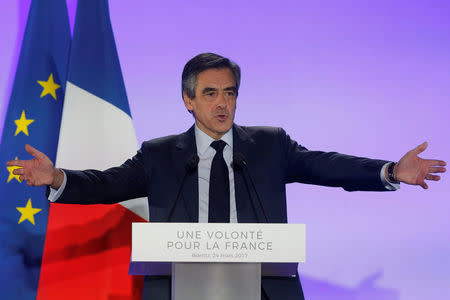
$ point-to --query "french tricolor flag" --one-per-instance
(87, 248)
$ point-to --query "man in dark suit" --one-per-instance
(205, 153)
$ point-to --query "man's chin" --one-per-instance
(223, 128)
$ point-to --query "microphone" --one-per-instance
(190, 167)
(192, 163)
(239, 163)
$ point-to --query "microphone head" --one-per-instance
(192, 163)
(238, 161)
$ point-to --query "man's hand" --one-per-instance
(37, 171)
(412, 169)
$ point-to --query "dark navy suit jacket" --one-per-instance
(273, 160)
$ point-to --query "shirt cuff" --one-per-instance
(388, 185)
(55, 194)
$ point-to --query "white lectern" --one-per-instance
(216, 261)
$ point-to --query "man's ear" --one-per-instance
(188, 102)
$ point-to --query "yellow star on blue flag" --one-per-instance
(28, 212)
(11, 175)
(22, 124)
(49, 86)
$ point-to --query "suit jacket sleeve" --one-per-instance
(113, 185)
(330, 168)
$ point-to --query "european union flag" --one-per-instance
(33, 117)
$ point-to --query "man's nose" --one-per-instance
(221, 100)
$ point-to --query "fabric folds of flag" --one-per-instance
(33, 117)
(87, 249)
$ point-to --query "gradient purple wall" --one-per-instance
(358, 78)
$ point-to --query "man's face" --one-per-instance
(215, 101)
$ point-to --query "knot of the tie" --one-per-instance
(218, 145)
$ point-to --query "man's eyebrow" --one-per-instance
(230, 88)
(208, 89)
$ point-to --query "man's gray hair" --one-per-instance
(202, 62)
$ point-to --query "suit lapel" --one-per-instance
(245, 204)
(184, 150)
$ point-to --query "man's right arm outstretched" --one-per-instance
(113, 185)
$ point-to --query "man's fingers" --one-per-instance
(16, 163)
(19, 172)
(432, 177)
(435, 162)
(419, 149)
(436, 170)
(33, 151)
(424, 185)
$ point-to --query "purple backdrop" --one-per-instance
(358, 78)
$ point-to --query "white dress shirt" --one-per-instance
(206, 154)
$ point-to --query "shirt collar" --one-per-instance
(203, 141)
